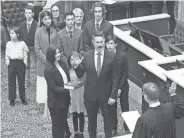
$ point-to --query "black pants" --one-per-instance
(124, 103)
(78, 120)
(16, 68)
(92, 111)
(67, 129)
(59, 121)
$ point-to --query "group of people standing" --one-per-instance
(50, 43)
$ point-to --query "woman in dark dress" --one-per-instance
(56, 74)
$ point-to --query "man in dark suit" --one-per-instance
(70, 38)
(159, 120)
(121, 65)
(27, 33)
(97, 24)
(99, 89)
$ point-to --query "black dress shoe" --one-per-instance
(68, 134)
(12, 103)
(114, 132)
(24, 102)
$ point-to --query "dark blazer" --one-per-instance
(60, 25)
(67, 44)
(121, 67)
(98, 88)
(159, 122)
(58, 97)
(89, 30)
(28, 38)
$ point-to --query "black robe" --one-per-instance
(159, 122)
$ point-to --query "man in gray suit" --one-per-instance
(70, 38)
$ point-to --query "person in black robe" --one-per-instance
(159, 120)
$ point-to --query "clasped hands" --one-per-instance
(111, 101)
(75, 59)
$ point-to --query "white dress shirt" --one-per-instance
(69, 30)
(63, 74)
(16, 50)
(96, 57)
(29, 22)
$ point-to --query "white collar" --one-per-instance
(78, 27)
(99, 22)
(102, 52)
(154, 104)
(30, 22)
(70, 30)
(115, 50)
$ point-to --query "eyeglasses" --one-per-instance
(55, 10)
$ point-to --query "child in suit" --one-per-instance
(27, 33)
(16, 61)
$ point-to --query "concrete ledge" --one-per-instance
(140, 19)
(136, 44)
(176, 75)
(124, 136)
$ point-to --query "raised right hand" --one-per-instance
(75, 61)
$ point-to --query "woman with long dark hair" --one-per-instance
(56, 74)
(45, 36)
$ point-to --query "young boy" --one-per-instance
(27, 32)
(121, 66)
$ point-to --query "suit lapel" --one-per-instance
(102, 25)
(93, 27)
(105, 60)
(67, 38)
(58, 74)
(64, 67)
(25, 26)
(73, 37)
(93, 61)
(31, 27)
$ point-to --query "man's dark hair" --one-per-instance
(111, 37)
(29, 8)
(96, 34)
(98, 4)
(67, 14)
